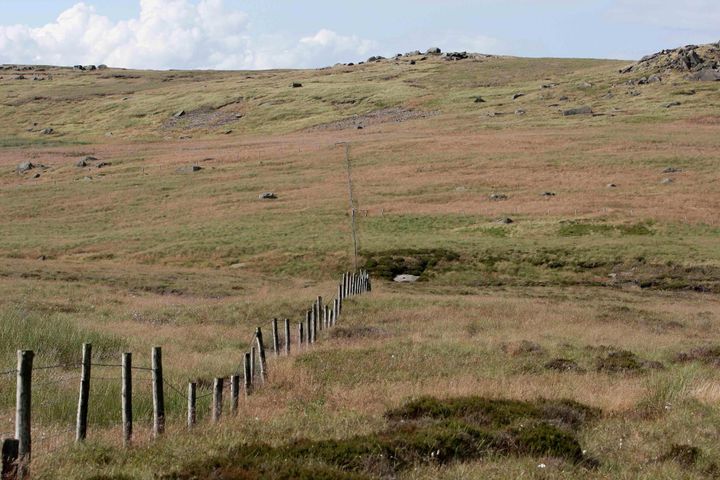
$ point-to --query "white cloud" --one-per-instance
(170, 34)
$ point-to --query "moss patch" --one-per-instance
(418, 262)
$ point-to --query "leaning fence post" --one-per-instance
(217, 399)
(234, 393)
(126, 396)
(23, 408)
(158, 393)
(82, 411)
(248, 375)
(10, 459)
(192, 405)
(287, 336)
(261, 354)
(276, 338)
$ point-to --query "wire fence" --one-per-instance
(64, 400)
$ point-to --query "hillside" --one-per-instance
(561, 215)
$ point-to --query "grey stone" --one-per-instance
(179, 114)
(434, 51)
(706, 75)
(672, 104)
(268, 196)
(548, 194)
(497, 197)
(585, 110)
(48, 131)
(406, 279)
(672, 170)
(520, 111)
(479, 99)
(611, 185)
(102, 66)
(517, 95)
(296, 85)
(104, 164)
(667, 181)
(506, 221)
(25, 167)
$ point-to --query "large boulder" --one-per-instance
(434, 51)
(706, 75)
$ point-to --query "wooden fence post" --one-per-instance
(319, 311)
(368, 282)
(234, 394)
(158, 393)
(327, 316)
(301, 335)
(253, 356)
(10, 459)
(344, 285)
(248, 375)
(276, 338)
(308, 320)
(192, 405)
(23, 409)
(82, 411)
(126, 398)
(217, 405)
(261, 354)
(287, 336)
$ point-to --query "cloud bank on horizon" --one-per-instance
(210, 34)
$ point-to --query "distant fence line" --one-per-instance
(253, 370)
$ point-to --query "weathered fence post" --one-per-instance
(248, 375)
(345, 285)
(276, 338)
(158, 393)
(126, 398)
(261, 354)
(217, 405)
(10, 459)
(192, 405)
(340, 293)
(319, 311)
(23, 409)
(253, 356)
(301, 335)
(308, 320)
(327, 316)
(82, 411)
(287, 336)
(234, 393)
(368, 282)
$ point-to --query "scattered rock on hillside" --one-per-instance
(25, 167)
(667, 181)
(585, 110)
(706, 75)
(296, 85)
(690, 58)
(517, 95)
(48, 131)
(497, 197)
(268, 196)
(479, 99)
(520, 111)
(190, 169)
(433, 51)
(671, 104)
(179, 114)
(103, 164)
(406, 278)
(506, 221)
(548, 194)
(611, 185)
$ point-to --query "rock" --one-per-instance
(47, 131)
(611, 185)
(268, 196)
(564, 98)
(90, 67)
(672, 170)
(415, 53)
(179, 114)
(584, 85)
(37, 175)
(406, 279)
(103, 164)
(102, 66)
(667, 181)
(654, 79)
(550, 85)
(78, 68)
(413, 62)
(706, 75)
(479, 99)
(296, 85)
(517, 95)
(497, 197)
(520, 111)
(190, 169)
(433, 51)
(81, 163)
(672, 104)
(25, 167)
(578, 111)
(506, 221)
(548, 194)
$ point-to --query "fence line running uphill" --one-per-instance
(252, 371)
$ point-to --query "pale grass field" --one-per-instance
(144, 255)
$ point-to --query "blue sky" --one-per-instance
(311, 33)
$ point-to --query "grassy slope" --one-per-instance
(196, 259)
